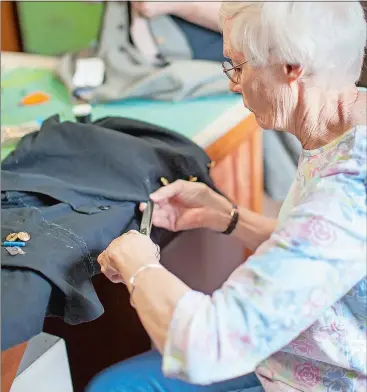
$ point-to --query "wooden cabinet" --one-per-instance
(239, 168)
(239, 171)
(10, 37)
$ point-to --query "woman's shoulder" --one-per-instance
(360, 141)
(346, 155)
(339, 173)
(351, 152)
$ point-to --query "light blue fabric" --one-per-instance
(143, 374)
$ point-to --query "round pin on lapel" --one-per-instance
(12, 237)
(24, 236)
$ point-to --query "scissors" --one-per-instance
(146, 221)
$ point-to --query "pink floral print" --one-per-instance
(295, 311)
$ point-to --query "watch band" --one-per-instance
(234, 219)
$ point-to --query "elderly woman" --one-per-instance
(293, 317)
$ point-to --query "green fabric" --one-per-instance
(187, 118)
(68, 26)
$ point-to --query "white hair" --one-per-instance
(326, 38)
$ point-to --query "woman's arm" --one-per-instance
(184, 205)
(204, 14)
(304, 268)
(252, 229)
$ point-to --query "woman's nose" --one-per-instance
(235, 87)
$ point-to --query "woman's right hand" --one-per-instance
(184, 205)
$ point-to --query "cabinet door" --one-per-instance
(238, 171)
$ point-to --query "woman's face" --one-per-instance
(266, 91)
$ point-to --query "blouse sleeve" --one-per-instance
(307, 265)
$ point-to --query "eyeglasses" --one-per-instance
(233, 72)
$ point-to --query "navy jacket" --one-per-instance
(75, 187)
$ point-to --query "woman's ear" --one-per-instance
(293, 72)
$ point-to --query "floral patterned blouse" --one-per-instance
(295, 312)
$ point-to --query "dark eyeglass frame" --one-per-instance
(236, 68)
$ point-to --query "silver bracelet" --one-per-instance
(133, 279)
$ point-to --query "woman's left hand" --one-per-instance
(126, 254)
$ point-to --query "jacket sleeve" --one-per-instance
(307, 265)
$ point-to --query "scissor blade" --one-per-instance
(146, 222)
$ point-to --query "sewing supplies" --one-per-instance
(24, 236)
(13, 251)
(36, 98)
(12, 237)
(14, 243)
(83, 113)
(11, 133)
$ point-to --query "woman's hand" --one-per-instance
(150, 9)
(185, 205)
(126, 254)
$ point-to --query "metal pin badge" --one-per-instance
(24, 236)
(12, 237)
(164, 181)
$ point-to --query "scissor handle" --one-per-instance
(146, 221)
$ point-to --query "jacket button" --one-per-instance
(164, 181)
(104, 208)
(193, 179)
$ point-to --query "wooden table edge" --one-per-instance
(10, 361)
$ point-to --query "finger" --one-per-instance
(116, 278)
(162, 222)
(113, 277)
(101, 257)
(168, 191)
(142, 206)
(109, 271)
